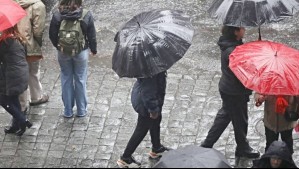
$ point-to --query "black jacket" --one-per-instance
(87, 26)
(148, 94)
(277, 149)
(229, 83)
(14, 71)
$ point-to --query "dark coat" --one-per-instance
(148, 94)
(14, 71)
(277, 149)
(229, 83)
(87, 26)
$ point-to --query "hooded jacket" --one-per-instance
(87, 26)
(279, 150)
(14, 71)
(32, 26)
(229, 83)
(148, 94)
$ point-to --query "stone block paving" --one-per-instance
(99, 139)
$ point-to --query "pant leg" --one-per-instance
(155, 132)
(24, 100)
(67, 83)
(237, 108)
(287, 136)
(221, 122)
(139, 134)
(35, 85)
(80, 77)
(12, 105)
(271, 136)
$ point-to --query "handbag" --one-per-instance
(292, 116)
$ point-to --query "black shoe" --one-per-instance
(158, 153)
(204, 145)
(23, 128)
(11, 130)
(248, 153)
(128, 163)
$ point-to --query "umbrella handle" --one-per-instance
(260, 35)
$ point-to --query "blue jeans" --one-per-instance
(73, 82)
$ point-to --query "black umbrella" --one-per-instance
(193, 157)
(151, 43)
(252, 13)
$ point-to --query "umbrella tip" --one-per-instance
(276, 54)
(139, 24)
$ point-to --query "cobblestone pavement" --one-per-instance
(98, 140)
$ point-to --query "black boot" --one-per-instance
(247, 153)
(23, 128)
(13, 128)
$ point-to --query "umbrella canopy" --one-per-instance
(193, 157)
(267, 67)
(252, 13)
(10, 14)
(151, 43)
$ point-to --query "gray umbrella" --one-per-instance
(151, 43)
(252, 13)
(193, 157)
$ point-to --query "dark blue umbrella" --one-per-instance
(252, 13)
(151, 43)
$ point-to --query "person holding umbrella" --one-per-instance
(276, 124)
(147, 46)
(14, 72)
(235, 98)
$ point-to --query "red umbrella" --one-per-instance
(10, 14)
(268, 68)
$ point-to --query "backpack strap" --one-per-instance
(84, 13)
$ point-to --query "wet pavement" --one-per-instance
(98, 140)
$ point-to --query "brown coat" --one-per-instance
(273, 120)
(33, 26)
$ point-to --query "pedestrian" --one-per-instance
(276, 124)
(32, 27)
(277, 156)
(72, 32)
(14, 76)
(235, 98)
(147, 99)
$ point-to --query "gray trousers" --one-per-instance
(35, 87)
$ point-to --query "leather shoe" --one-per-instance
(248, 153)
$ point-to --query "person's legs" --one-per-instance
(221, 122)
(12, 105)
(142, 128)
(271, 136)
(80, 76)
(67, 83)
(155, 133)
(287, 137)
(237, 109)
(24, 100)
(34, 81)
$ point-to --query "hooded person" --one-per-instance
(235, 98)
(277, 156)
(73, 23)
(32, 27)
